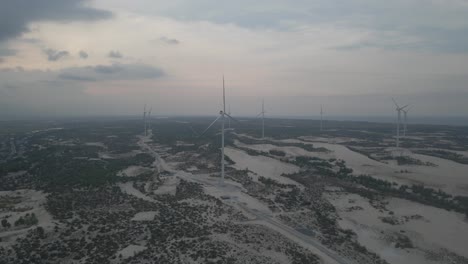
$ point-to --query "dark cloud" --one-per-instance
(55, 55)
(16, 15)
(111, 72)
(31, 40)
(104, 69)
(169, 41)
(83, 54)
(71, 77)
(115, 54)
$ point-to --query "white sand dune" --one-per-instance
(261, 165)
(169, 186)
(133, 171)
(144, 216)
(32, 201)
(434, 228)
(130, 251)
(129, 189)
(448, 176)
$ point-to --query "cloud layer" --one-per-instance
(292, 52)
(16, 15)
(111, 72)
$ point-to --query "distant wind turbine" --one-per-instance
(262, 114)
(321, 118)
(144, 120)
(148, 122)
(399, 110)
(222, 116)
(405, 120)
(229, 113)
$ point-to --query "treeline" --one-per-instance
(416, 193)
(308, 147)
(60, 166)
(453, 156)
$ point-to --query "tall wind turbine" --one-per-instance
(222, 116)
(262, 114)
(229, 113)
(321, 118)
(405, 120)
(148, 122)
(399, 110)
(144, 120)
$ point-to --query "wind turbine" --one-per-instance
(222, 116)
(229, 113)
(144, 120)
(262, 113)
(405, 120)
(399, 110)
(148, 125)
(321, 118)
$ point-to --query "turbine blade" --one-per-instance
(224, 97)
(259, 115)
(395, 103)
(232, 118)
(193, 131)
(210, 125)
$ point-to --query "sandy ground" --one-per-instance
(144, 216)
(129, 189)
(32, 201)
(130, 251)
(261, 165)
(169, 186)
(133, 171)
(429, 229)
(449, 176)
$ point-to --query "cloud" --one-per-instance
(15, 16)
(31, 40)
(115, 54)
(72, 77)
(169, 41)
(4, 52)
(111, 72)
(55, 55)
(83, 54)
(438, 25)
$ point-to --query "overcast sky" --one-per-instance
(62, 57)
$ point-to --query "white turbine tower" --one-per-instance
(148, 122)
(144, 120)
(222, 115)
(229, 113)
(262, 114)
(405, 120)
(321, 118)
(399, 110)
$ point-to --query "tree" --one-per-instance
(5, 223)
(40, 232)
